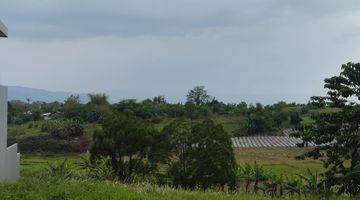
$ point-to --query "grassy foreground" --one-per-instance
(32, 186)
(50, 189)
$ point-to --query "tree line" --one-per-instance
(258, 118)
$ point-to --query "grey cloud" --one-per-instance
(240, 50)
(79, 18)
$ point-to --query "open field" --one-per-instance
(31, 165)
(280, 160)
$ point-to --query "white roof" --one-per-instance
(3, 30)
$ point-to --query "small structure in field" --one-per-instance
(46, 116)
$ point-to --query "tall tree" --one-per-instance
(99, 99)
(198, 95)
(337, 134)
(159, 100)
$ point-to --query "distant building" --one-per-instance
(51, 115)
(47, 116)
(9, 156)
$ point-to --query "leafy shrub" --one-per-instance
(63, 129)
(99, 169)
(80, 145)
(45, 143)
(42, 143)
(61, 170)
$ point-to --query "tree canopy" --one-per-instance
(337, 134)
(198, 95)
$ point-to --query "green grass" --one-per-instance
(307, 121)
(280, 160)
(34, 128)
(231, 124)
(325, 110)
(33, 165)
(30, 128)
(33, 185)
(41, 189)
(51, 189)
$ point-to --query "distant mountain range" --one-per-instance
(23, 93)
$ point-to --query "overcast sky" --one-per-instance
(252, 50)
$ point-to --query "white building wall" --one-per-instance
(9, 158)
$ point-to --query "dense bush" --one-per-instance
(129, 143)
(201, 155)
(259, 122)
(198, 154)
(63, 129)
(95, 113)
(43, 143)
(295, 118)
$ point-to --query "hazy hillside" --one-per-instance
(22, 93)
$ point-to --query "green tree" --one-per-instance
(203, 155)
(178, 134)
(73, 107)
(337, 134)
(215, 163)
(198, 95)
(191, 110)
(95, 113)
(295, 118)
(259, 122)
(129, 143)
(280, 117)
(159, 100)
(99, 99)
